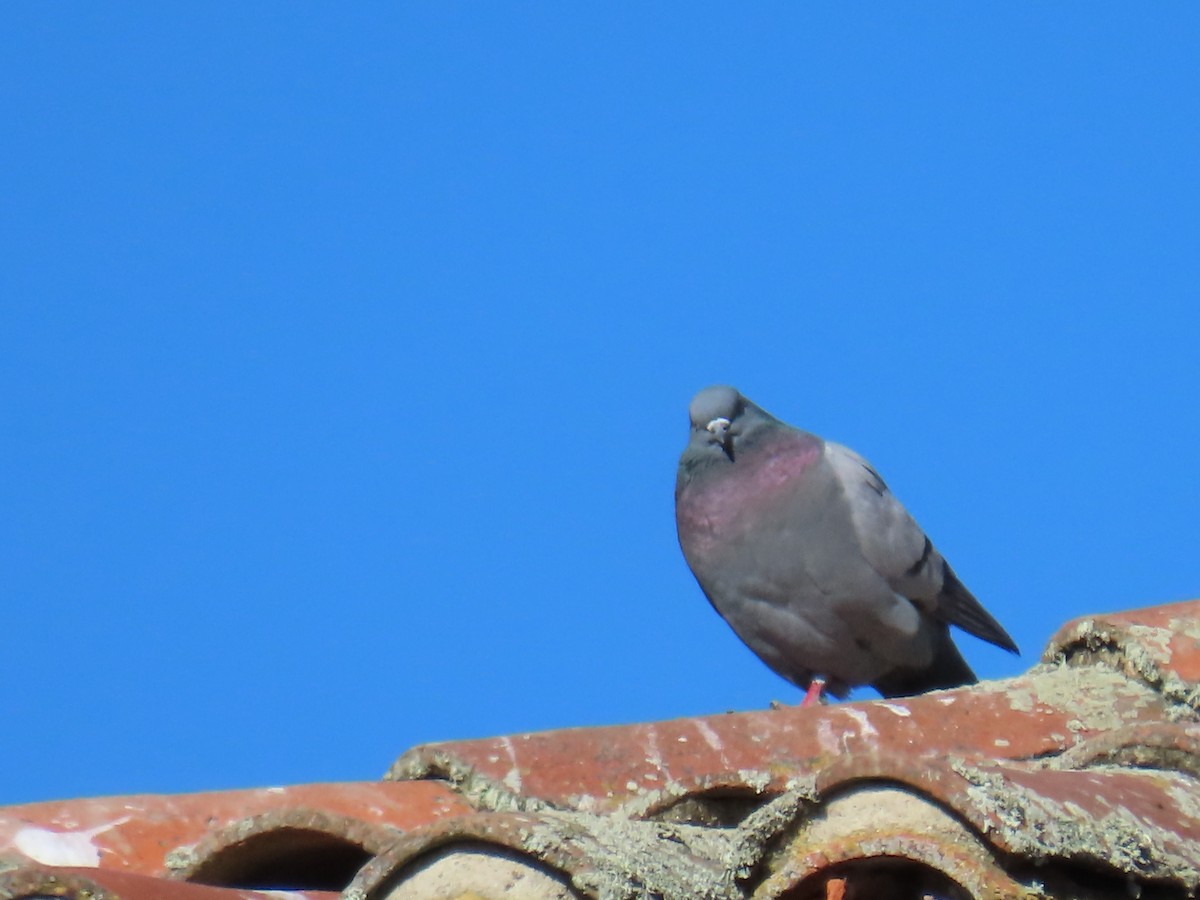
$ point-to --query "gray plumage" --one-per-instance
(800, 546)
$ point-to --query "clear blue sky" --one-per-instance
(345, 351)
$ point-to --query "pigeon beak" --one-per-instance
(719, 429)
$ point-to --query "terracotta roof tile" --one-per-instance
(42, 883)
(647, 767)
(224, 837)
(1159, 645)
(1078, 778)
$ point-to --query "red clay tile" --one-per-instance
(1167, 637)
(139, 833)
(40, 882)
(923, 845)
(579, 853)
(598, 769)
(1084, 768)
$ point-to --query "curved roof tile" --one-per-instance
(1077, 778)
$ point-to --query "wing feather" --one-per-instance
(894, 545)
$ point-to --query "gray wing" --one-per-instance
(894, 545)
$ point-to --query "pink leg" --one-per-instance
(812, 697)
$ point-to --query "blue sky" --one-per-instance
(346, 350)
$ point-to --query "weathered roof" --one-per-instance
(1079, 778)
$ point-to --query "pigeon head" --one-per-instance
(721, 418)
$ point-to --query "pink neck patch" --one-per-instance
(716, 503)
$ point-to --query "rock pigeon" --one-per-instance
(803, 550)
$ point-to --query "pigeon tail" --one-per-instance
(948, 670)
(958, 606)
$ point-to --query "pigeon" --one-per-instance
(812, 561)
